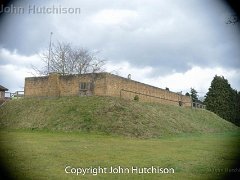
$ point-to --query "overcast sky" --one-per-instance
(165, 43)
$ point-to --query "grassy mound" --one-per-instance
(108, 115)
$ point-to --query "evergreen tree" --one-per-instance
(187, 94)
(236, 107)
(220, 98)
(193, 94)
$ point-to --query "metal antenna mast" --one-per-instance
(49, 55)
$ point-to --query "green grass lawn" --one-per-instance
(44, 155)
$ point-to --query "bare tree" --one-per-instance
(60, 58)
(65, 59)
(86, 62)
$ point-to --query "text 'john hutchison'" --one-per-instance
(118, 170)
(34, 9)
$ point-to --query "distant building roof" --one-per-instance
(198, 101)
(3, 88)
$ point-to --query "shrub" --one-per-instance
(136, 98)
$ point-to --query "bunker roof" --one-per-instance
(2, 88)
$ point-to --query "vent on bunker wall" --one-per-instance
(85, 89)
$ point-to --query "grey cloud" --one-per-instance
(166, 35)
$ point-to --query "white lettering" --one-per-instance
(67, 168)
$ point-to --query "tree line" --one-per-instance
(221, 99)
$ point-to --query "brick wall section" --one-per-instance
(53, 85)
(56, 85)
(105, 84)
(145, 92)
(36, 86)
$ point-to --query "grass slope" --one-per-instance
(108, 115)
